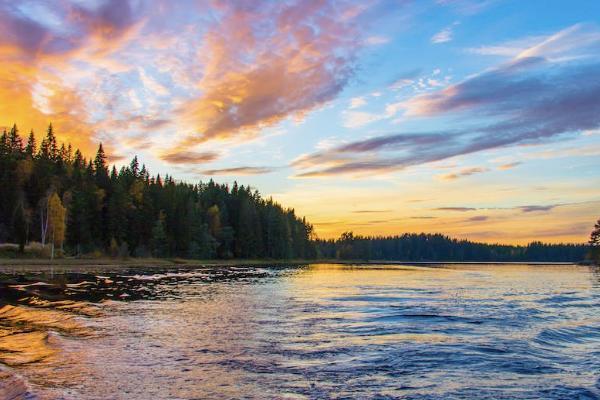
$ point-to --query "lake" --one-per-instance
(317, 331)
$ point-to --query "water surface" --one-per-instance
(319, 331)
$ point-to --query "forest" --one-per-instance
(76, 206)
(56, 196)
(437, 247)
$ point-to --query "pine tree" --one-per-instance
(49, 146)
(4, 143)
(20, 226)
(100, 162)
(15, 142)
(79, 236)
(134, 167)
(160, 245)
(30, 149)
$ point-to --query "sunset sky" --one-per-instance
(478, 119)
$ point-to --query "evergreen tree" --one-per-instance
(30, 149)
(160, 246)
(20, 226)
(15, 141)
(130, 211)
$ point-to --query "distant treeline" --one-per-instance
(437, 247)
(53, 195)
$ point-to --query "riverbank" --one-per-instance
(84, 264)
(16, 265)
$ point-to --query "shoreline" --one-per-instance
(17, 265)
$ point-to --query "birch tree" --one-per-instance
(56, 216)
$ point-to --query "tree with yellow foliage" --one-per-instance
(56, 216)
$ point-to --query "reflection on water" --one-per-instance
(321, 331)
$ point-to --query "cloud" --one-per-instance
(239, 171)
(37, 37)
(463, 172)
(357, 119)
(189, 157)
(151, 84)
(445, 35)
(113, 69)
(376, 40)
(523, 209)
(478, 218)
(267, 62)
(509, 49)
(357, 102)
(404, 79)
(459, 209)
(40, 43)
(525, 101)
(342, 159)
(538, 208)
(511, 165)
(581, 229)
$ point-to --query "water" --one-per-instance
(319, 331)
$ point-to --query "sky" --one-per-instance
(477, 119)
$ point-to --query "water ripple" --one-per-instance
(323, 331)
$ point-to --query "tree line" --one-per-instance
(76, 206)
(54, 195)
(437, 247)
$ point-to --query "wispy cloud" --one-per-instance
(445, 35)
(237, 171)
(357, 119)
(189, 157)
(459, 209)
(527, 100)
(39, 40)
(524, 209)
(538, 208)
(478, 218)
(219, 71)
(462, 173)
(508, 166)
(357, 102)
(376, 40)
(268, 62)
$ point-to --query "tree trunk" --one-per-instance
(52, 256)
(44, 222)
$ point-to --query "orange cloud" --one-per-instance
(237, 171)
(189, 157)
(32, 99)
(462, 173)
(265, 63)
(42, 67)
